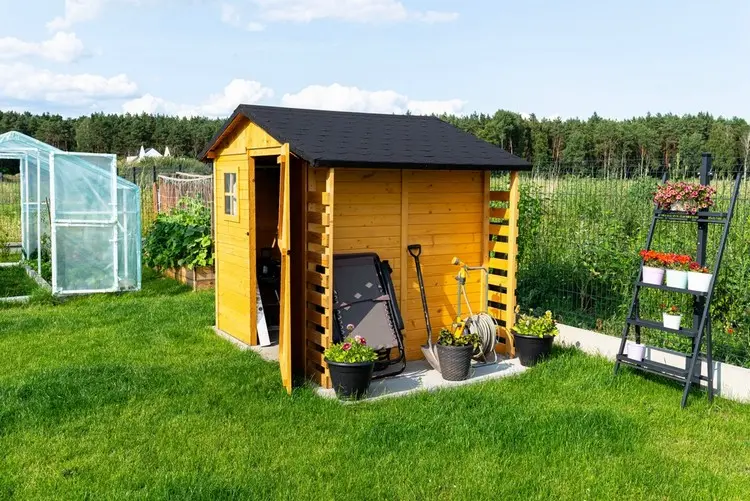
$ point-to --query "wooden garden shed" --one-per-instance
(318, 183)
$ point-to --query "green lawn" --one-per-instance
(14, 281)
(133, 397)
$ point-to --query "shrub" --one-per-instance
(180, 238)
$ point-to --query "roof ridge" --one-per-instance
(342, 112)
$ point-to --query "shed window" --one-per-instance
(230, 193)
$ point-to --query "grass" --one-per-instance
(132, 396)
(14, 281)
(10, 211)
(9, 257)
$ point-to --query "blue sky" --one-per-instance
(203, 57)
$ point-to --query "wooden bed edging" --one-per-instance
(198, 278)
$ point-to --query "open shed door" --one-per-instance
(285, 317)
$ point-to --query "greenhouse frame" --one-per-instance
(80, 222)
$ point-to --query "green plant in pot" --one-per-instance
(351, 363)
(454, 351)
(533, 336)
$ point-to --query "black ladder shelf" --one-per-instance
(701, 329)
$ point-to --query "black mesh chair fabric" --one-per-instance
(364, 301)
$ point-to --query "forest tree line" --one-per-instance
(640, 145)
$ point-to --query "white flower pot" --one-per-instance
(672, 321)
(699, 282)
(653, 275)
(677, 279)
(635, 351)
(677, 206)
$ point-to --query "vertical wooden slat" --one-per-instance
(285, 338)
(404, 243)
(512, 253)
(252, 254)
(486, 234)
(329, 252)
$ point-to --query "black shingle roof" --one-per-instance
(335, 138)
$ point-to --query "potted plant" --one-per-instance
(684, 197)
(653, 267)
(677, 270)
(635, 351)
(699, 278)
(454, 351)
(351, 363)
(533, 337)
(671, 316)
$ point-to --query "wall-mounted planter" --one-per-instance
(198, 278)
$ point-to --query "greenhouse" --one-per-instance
(80, 222)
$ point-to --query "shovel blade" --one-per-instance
(431, 357)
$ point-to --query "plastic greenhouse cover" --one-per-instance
(96, 244)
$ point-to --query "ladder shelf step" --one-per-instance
(670, 289)
(669, 371)
(699, 214)
(649, 324)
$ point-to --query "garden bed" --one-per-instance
(198, 278)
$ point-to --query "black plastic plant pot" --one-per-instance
(532, 349)
(455, 361)
(350, 380)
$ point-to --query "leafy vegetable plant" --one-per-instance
(180, 238)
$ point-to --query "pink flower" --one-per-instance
(346, 346)
(362, 341)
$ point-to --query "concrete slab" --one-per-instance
(268, 353)
(420, 376)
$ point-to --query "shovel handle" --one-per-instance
(415, 250)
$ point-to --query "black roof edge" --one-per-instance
(203, 154)
(520, 166)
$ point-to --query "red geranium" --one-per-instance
(697, 268)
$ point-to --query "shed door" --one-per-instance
(285, 327)
(83, 221)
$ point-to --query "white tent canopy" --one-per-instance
(77, 214)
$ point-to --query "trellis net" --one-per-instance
(179, 185)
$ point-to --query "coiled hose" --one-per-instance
(485, 326)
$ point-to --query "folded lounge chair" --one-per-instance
(365, 305)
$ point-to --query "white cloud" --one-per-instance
(62, 48)
(217, 105)
(432, 16)
(359, 11)
(27, 83)
(80, 11)
(230, 14)
(342, 98)
(76, 11)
